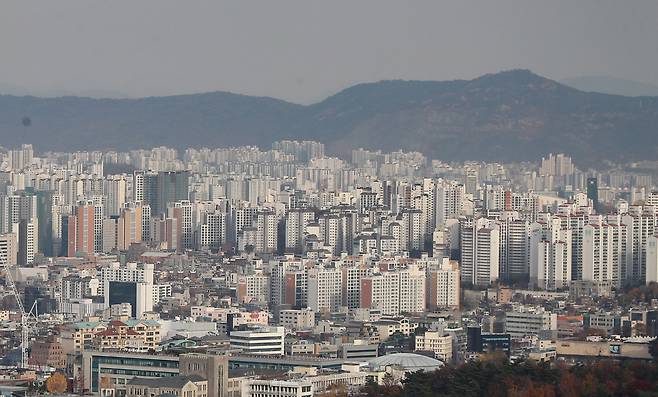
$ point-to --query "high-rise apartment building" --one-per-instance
(253, 287)
(412, 290)
(605, 253)
(593, 192)
(8, 249)
(381, 291)
(550, 255)
(303, 151)
(394, 292)
(212, 230)
(115, 187)
(325, 288)
(130, 227)
(651, 260)
(642, 224)
(160, 189)
(28, 240)
(351, 280)
(443, 285)
(84, 237)
(480, 251)
(181, 211)
(239, 219)
(449, 201)
(296, 222)
(514, 249)
(21, 158)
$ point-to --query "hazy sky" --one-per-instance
(305, 50)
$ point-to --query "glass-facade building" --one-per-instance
(114, 370)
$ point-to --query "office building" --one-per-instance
(519, 324)
(128, 284)
(262, 341)
(436, 342)
(277, 388)
(108, 373)
(160, 189)
(187, 386)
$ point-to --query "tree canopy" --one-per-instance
(498, 378)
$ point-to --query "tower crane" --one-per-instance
(25, 316)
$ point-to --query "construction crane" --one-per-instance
(25, 316)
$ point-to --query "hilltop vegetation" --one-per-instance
(496, 378)
(508, 116)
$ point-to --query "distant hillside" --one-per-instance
(611, 85)
(212, 119)
(508, 116)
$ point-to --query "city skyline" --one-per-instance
(328, 199)
(199, 262)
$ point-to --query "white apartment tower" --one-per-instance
(212, 231)
(480, 251)
(267, 231)
(550, 255)
(412, 290)
(381, 291)
(182, 212)
(296, 222)
(605, 253)
(449, 201)
(443, 285)
(325, 288)
(641, 222)
(394, 292)
(115, 187)
(514, 250)
(652, 260)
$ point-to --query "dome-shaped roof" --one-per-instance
(407, 361)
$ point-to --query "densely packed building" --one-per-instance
(287, 259)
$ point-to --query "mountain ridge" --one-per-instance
(507, 116)
(611, 85)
